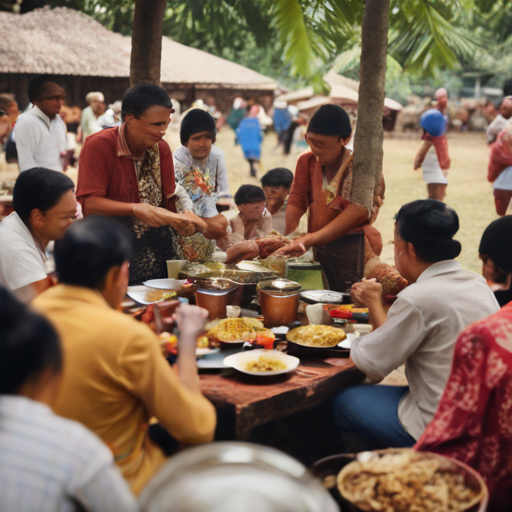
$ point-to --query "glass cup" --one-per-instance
(174, 267)
(233, 311)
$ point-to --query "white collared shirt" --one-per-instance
(421, 330)
(22, 262)
(48, 462)
(40, 140)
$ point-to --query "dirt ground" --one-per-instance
(468, 191)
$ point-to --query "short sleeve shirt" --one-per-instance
(104, 172)
(21, 261)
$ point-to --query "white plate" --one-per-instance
(201, 352)
(347, 342)
(165, 284)
(138, 294)
(240, 360)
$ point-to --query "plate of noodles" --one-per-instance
(316, 336)
(262, 363)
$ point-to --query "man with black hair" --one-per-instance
(420, 329)
(116, 378)
(44, 207)
(200, 165)
(47, 462)
(323, 185)
(495, 251)
(127, 172)
(40, 132)
(253, 218)
(276, 185)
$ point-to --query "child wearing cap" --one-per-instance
(433, 157)
(199, 165)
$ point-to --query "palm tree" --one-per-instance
(146, 57)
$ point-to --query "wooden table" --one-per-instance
(252, 401)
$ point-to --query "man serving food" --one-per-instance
(127, 172)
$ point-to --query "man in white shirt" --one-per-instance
(501, 121)
(420, 329)
(44, 207)
(40, 132)
(47, 463)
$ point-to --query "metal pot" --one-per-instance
(215, 294)
(279, 301)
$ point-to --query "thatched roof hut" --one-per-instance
(71, 45)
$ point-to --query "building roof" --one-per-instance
(344, 91)
(67, 42)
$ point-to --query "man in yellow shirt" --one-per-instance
(115, 377)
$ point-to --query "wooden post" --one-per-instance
(368, 151)
(147, 29)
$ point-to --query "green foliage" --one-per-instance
(297, 41)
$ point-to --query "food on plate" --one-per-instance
(346, 311)
(158, 295)
(235, 330)
(406, 480)
(246, 250)
(389, 277)
(168, 343)
(316, 336)
(202, 342)
(270, 243)
(265, 364)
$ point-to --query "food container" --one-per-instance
(328, 469)
(307, 274)
(248, 280)
(279, 300)
(234, 476)
(215, 294)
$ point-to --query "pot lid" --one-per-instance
(281, 285)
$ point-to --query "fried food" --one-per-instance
(316, 336)
(235, 330)
(158, 295)
(406, 480)
(265, 364)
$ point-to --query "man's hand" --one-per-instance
(191, 321)
(185, 224)
(367, 292)
(293, 249)
(150, 215)
(157, 217)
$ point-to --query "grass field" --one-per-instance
(468, 191)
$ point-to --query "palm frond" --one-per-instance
(425, 40)
(302, 49)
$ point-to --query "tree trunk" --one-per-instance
(146, 55)
(368, 152)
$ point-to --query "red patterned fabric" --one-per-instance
(473, 422)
